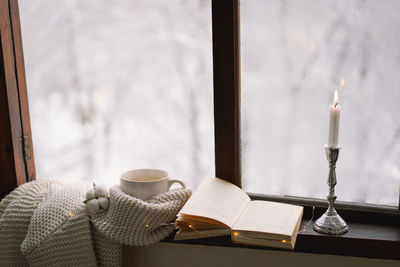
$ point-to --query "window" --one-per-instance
(294, 54)
(130, 82)
(227, 122)
(376, 227)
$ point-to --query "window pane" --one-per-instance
(119, 85)
(294, 54)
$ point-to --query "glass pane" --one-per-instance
(294, 54)
(119, 85)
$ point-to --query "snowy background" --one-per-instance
(118, 85)
(294, 54)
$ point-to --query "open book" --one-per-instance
(218, 208)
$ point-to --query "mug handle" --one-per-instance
(173, 181)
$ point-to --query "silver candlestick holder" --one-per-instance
(330, 222)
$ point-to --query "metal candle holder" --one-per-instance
(330, 222)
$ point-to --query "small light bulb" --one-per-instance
(70, 214)
(235, 233)
(147, 225)
(190, 226)
(284, 241)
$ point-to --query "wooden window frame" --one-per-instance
(374, 230)
(17, 164)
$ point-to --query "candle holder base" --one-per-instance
(331, 224)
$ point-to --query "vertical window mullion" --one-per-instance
(226, 68)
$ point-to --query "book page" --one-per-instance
(189, 221)
(183, 234)
(217, 199)
(269, 217)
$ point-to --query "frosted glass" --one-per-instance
(294, 54)
(119, 85)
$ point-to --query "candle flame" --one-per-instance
(336, 98)
(342, 82)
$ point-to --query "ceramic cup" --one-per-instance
(146, 183)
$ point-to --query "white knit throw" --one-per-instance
(45, 223)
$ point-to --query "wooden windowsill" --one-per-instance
(363, 240)
(374, 231)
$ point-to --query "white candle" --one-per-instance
(334, 118)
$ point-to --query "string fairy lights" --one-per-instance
(308, 223)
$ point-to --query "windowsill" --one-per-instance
(374, 231)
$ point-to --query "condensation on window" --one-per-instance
(294, 54)
(119, 85)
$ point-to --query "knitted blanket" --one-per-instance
(47, 223)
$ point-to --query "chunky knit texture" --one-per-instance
(135, 222)
(108, 252)
(16, 210)
(45, 223)
(59, 231)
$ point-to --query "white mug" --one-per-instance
(146, 183)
